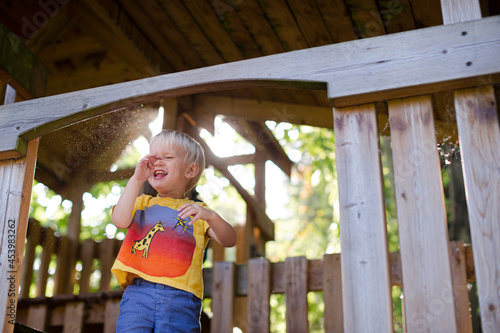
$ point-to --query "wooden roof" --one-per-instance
(93, 43)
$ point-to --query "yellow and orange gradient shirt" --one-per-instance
(160, 247)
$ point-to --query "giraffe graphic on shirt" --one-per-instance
(144, 243)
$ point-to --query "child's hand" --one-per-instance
(195, 211)
(145, 168)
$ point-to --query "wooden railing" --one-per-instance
(224, 283)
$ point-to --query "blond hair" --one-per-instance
(194, 151)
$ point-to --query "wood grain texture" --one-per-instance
(479, 135)
(259, 292)
(332, 293)
(296, 295)
(37, 316)
(423, 231)
(16, 179)
(73, 317)
(222, 298)
(363, 235)
(395, 71)
(460, 291)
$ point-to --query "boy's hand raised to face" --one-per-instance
(146, 167)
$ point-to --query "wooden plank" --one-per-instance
(305, 12)
(259, 292)
(455, 11)
(19, 67)
(106, 258)
(222, 297)
(87, 257)
(423, 230)
(37, 316)
(296, 295)
(337, 20)
(192, 31)
(284, 24)
(363, 235)
(48, 245)
(366, 18)
(62, 284)
(332, 293)
(343, 66)
(73, 317)
(33, 239)
(479, 135)
(16, 179)
(112, 310)
(460, 291)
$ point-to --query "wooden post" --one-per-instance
(222, 297)
(16, 178)
(332, 293)
(366, 287)
(259, 292)
(479, 136)
(423, 232)
(296, 295)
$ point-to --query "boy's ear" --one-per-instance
(192, 171)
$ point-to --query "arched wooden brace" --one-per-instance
(354, 73)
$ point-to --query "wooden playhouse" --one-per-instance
(354, 66)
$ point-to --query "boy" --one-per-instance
(160, 261)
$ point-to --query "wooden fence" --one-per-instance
(97, 311)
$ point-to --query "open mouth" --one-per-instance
(159, 174)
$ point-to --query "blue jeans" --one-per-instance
(154, 307)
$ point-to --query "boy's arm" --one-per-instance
(220, 230)
(122, 212)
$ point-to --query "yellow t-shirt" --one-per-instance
(162, 248)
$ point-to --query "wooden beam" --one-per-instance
(456, 55)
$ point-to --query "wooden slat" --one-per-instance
(337, 20)
(112, 310)
(62, 284)
(305, 12)
(479, 135)
(33, 239)
(296, 295)
(363, 235)
(455, 11)
(222, 297)
(106, 257)
(423, 230)
(37, 316)
(460, 292)
(366, 18)
(48, 246)
(192, 31)
(259, 292)
(87, 258)
(332, 293)
(73, 317)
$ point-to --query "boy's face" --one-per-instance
(171, 172)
